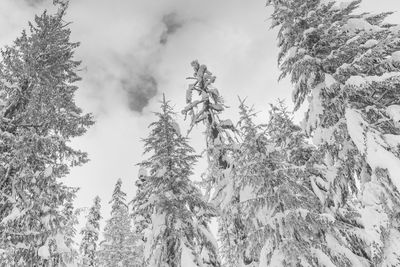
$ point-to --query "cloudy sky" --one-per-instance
(133, 51)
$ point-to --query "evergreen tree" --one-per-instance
(348, 65)
(220, 142)
(141, 219)
(38, 118)
(90, 235)
(178, 234)
(118, 247)
(281, 214)
(71, 255)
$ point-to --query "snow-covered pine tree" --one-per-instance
(282, 215)
(118, 246)
(90, 235)
(347, 65)
(220, 142)
(71, 254)
(178, 234)
(38, 118)
(141, 219)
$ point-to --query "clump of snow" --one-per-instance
(44, 252)
(246, 193)
(176, 127)
(161, 172)
(358, 24)
(292, 52)
(370, 43)
(142, 172)
(394, 113)
(226, 123)
(329, 80)
(60, 242)
(48, 172)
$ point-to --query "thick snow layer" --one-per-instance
(208, 235)
(60, 242)
(187, 257)
(371, 144)
(354, 25)
(373, 218)
(15, 213)
(276, 259)
(323, 259)
(359, 80)
(329, 80)
(158, 224)
(316, 108)
(396, 56)
(334, 245)
(391, 251)
(316, 190)
(246, 193)
(264, 252)
(324, 135)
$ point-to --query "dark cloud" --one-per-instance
(140, 91)
(172, 24)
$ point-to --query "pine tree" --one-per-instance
(118, 246)
(71, 255)
(178, 234)
(220, 142)
(281, 214)
(348, 64)
(141, 219)
(38, 118)
(90, 235)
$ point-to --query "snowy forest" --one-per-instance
(321, 192)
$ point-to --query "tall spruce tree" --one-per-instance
(178, 233)
(141, 219)
(347, 65)
(282, 215)
(218, 182)
(90, 236)
(38, 118)
(118, 247)
(71, 255)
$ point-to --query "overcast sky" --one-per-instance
(135, 50)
